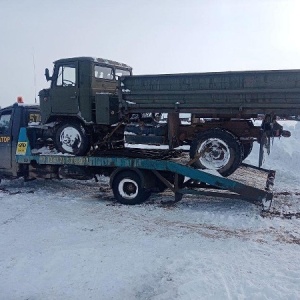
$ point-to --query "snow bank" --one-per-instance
(284, 157)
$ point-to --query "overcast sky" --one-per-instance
(157, 36)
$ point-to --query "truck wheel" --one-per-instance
(127, 188)
(247, 149)
(71, 138)
(219, 150)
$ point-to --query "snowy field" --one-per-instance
(70, 240)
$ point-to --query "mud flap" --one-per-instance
(263, 146)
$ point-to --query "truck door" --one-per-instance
(64, 92)
(5, 139)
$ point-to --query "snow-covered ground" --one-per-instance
(69, 240)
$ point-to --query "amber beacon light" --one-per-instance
(20, 99)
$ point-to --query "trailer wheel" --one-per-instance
(247, 149)
(219, 150)
(127, 188)
(71, 138)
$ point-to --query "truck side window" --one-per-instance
(120, 72)
(4, 122)
(104, 72)
(66, 76)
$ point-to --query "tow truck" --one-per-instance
(134, 174)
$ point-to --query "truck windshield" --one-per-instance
(120, 72)
(4, 122)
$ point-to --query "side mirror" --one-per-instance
(48, 77)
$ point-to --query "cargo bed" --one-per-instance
(233, 94)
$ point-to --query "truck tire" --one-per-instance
(247, 149)
(127, 188)
(219, 150)
(71, 138)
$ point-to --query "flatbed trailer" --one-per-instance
(134, 179)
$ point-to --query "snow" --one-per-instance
(70, 240)
(32, 124)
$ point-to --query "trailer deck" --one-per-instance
(202, 182)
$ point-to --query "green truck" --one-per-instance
(93, 103)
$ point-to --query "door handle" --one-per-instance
(73, 97)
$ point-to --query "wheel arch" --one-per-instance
(60, 119)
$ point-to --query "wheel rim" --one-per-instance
(70, 139)
(214, 154)
(128, 188)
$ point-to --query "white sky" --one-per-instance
(157, 36)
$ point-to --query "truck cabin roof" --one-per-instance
(28, 106)
(101, 61)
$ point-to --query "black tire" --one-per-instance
(71, 138)
(247, 149)
(220, 150)
(127, 188)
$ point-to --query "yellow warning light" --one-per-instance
(20, 99)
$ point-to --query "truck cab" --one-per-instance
(12, 118)
(74, 85)
(82, 103)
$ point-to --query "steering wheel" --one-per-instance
(67, 82)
